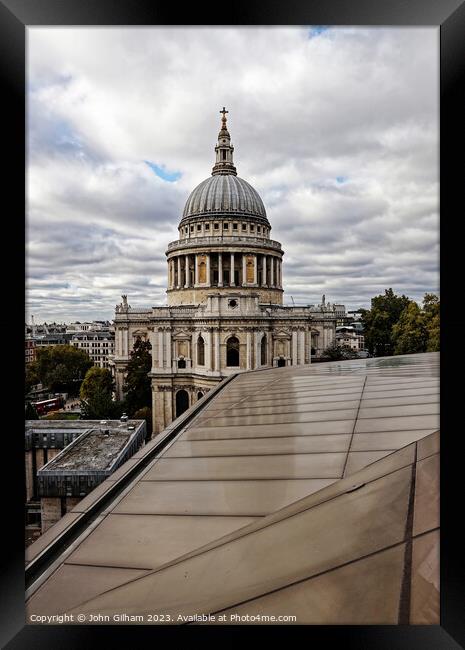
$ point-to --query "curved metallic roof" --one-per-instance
(224, 193)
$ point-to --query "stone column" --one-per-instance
(264, 272)
(178, 283)
(249, 351)
(294, 348)
(220, 270)
(196, 273)
(209, 282)
(186, 273)
(244, 271)
(208, 350)
(255, 270)
(168, 349)
(271, 271)
(161, 361)
(257, 348)
(153, 342)
(217, 349)
(302, 347)
(231, 272)
(280, 274)
(194, 349)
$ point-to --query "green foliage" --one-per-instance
(431, 308)
(378, 322)
(96, 396)
(98, 406)
(145, 413)
(339, 352)
(32, 378)
(31, 413)
(137, 386)
(96, 379)
(61, 367)
(61, 415)
(409, 334)
(417, 329)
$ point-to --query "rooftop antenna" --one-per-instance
(293, 303)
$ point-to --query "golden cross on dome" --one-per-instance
(224, 111)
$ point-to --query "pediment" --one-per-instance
(181, 336)
(282, 335)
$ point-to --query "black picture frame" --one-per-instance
(449, 17)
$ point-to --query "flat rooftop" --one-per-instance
(95, 450)
(290, 490)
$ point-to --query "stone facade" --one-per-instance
(225, 311)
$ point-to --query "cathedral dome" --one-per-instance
(224, 194)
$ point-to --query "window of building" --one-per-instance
(263, 351)
(216, 226)
(192, 228)
(182, 402)
(232, 351)
(200, 351)
(252, 227)
(234, 226)
(207, 226)
(226, 226)
(244, 226)
(258, 229)
(199, 226)
(181, 363)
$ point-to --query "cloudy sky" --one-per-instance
(336, 128)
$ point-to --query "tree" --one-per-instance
(336, 352)
(137, 386)
(32, 378)
(378, 321)
(61, 367)
(96, 396)
(409, 334)
(431, 308)
(96, 379)
(145, 413)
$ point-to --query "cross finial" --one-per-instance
(224, 111)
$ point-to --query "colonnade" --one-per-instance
(224, 269)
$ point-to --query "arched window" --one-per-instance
(200, 351)
(263, 351)
(181, 363)
(232, 351)
(199, 395)
(182, 402)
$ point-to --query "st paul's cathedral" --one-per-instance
(224, 311)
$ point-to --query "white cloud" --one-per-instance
(354, 104)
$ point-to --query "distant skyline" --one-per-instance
(336, 128)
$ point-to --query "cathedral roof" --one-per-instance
(224, 192)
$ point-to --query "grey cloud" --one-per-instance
(357, 103)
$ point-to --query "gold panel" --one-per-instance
(250, 270)
(202, 270)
